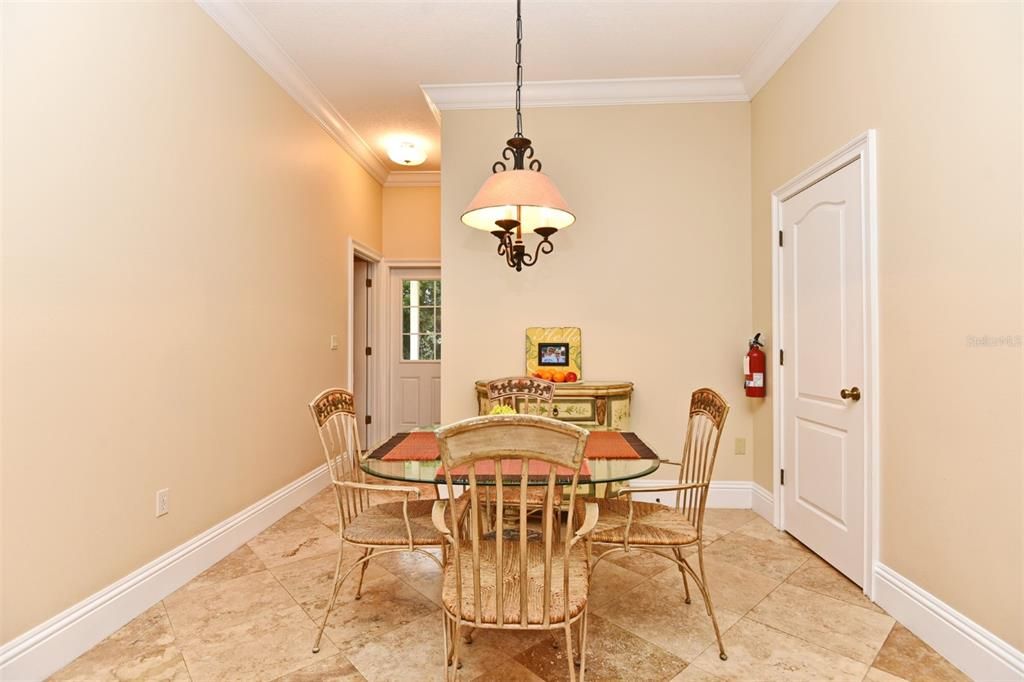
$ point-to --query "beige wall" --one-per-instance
(174, 232)
(656, 271)
(412, 223)
(941, 82)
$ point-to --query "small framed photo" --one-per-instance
(553, 354)
(554, 350)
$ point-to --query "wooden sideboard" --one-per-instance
(594, 405)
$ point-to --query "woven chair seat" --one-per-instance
(510, 495)
(383, 524)
(513, 583)
(653, 524)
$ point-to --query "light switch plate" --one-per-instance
(741, 446)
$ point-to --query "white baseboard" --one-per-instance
(50, 646)
(762, 502)
(723, 494)
(967, 645)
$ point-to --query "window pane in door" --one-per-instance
(421, 319)
(426, 347)
(426, 319)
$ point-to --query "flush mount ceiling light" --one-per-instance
(521, 200)
(407, 153)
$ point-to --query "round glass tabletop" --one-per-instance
(425, 471)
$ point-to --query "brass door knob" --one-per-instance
(850, 394)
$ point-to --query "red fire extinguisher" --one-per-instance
(753, 368)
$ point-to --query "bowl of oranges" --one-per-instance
(556, 375)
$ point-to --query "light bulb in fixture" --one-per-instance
(407, 153)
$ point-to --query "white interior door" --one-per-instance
(415, 348)
(822, 313)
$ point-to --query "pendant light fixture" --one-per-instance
(521, 200)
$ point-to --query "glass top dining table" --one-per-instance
(595, 471)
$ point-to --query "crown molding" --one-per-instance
(239, 23)
(587, 93)
(791, 31)
(413, 179)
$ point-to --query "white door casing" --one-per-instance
(364, 329)
(361, 335)
(826, 325)
(415, 398)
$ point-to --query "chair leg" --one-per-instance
(579, 638)
(444, 640)
(583, 643)
(703, 585)
(686, 584)
(455, 656)
(362, 572)
(569, 655)
(335, 587)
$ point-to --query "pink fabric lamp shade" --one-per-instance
(539, 201)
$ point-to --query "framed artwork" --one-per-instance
(554, 349)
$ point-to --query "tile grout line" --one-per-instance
(789, 634)
(824, 594)
(181, 649)
(814, 644)
(879, 652)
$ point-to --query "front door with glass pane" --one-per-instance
(415, 348)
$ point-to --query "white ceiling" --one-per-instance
(369, 59)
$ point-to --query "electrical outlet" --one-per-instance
(161, 501)
(741, 446)
(334, 342)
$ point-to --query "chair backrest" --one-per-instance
(334, 412)
(525, 448)
(708, 411)
(525, 395)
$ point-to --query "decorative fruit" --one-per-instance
(558, 377)
(502, 409)
(545, 374)
(570, 377)
(537, 375)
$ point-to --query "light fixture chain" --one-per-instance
(519, 68)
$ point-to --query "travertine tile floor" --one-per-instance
(786, 615)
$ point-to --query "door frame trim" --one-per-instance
(373, 369)
(863, 147)
(387, 266)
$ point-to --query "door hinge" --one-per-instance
(368, 419)
(782, 357)
(780, 237)
(369, 351)
(782, 477)
(369, 282)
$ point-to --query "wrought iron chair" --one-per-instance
(530, 581)
(526, 395)
(651, 527)
(401, 526)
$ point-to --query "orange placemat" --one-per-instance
(419, 445)
(513, 468)
(422, 446)
(609, 445)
